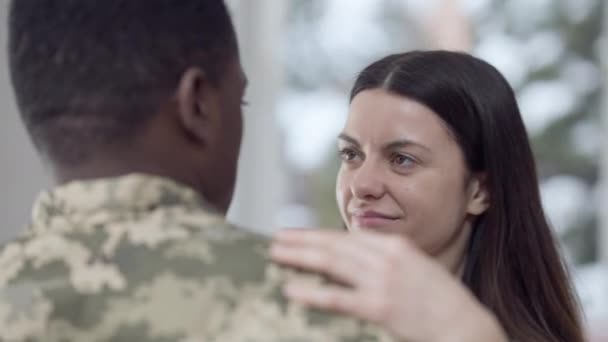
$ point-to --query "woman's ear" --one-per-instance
(479, 194)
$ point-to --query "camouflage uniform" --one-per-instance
(141, 258)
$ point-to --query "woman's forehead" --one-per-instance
(382, 116)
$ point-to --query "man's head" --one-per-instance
(119, 86)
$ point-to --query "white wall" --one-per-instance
(260, 193)
(21, 174)
(603, 198)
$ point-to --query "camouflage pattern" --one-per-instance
(142, 258)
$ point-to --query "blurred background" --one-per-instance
(301, 57)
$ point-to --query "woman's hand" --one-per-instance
(388, 281)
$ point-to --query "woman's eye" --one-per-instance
(348, 154)
(403, 160)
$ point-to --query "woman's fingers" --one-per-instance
(327, 297)
(379, 243)
(386, 244)
(344, 261)
(370, 306)
(375, 255)
(307, 236)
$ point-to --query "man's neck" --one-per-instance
(109, 168)
(112, 168)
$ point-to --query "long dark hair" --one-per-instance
(513, 265)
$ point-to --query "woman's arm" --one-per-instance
(385, 280)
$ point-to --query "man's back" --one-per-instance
(141, 258)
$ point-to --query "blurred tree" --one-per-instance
(556, 43)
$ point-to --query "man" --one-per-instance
(136, 108)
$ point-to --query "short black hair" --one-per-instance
(87, 73)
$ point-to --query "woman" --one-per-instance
(435, 151)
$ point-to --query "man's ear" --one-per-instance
(196, 105)
(479, 194)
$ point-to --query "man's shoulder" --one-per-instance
(197, 247)
(191, 278)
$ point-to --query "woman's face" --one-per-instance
(404, 173)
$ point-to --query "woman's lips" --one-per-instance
(372, 219)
